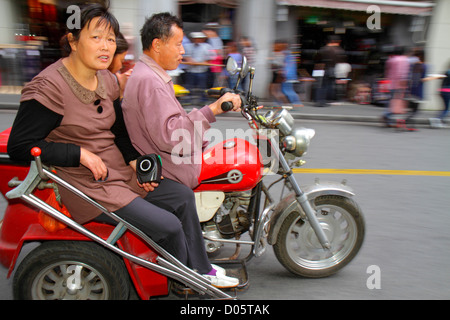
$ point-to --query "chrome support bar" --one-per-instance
(167, 265)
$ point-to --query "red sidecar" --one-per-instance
(48, 272)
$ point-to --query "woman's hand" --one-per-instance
(93, 163)
(148, 187)
(123, 79)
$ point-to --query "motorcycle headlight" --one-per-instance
(281, 119)
(298, 142)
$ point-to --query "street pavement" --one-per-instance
(406, 216)
(345, 111)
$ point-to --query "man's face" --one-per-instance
(171, 50)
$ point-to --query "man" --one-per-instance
(330, 54)
(153, 115)
(198, 55)
(156, 120)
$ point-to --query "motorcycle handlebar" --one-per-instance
(226, 105)
(218, 92)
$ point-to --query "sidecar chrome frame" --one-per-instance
(166, 264)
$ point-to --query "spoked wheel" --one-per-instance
(71, 271)
(298, 249)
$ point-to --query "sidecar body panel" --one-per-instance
(20, 225)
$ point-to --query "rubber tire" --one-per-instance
(280, 247)
(110, 265)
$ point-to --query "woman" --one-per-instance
(67, 110)
(117, 62)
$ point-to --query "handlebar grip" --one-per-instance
(214, 92)
(36, 152)
(226, 106)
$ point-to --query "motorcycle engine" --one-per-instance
(228, 222)
(210, 232)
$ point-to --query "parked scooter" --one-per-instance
(315, 230)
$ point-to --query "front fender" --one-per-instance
(290, 204)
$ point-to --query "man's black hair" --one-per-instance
(159, 26)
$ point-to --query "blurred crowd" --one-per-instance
(406, 74)
(399, 89)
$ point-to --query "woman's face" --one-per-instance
(117, 62)
(96, 46)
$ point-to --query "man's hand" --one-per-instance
(235, 99)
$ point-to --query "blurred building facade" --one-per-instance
(369, 29)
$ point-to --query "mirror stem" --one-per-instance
(250, 85)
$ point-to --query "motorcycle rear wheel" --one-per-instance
(298, 249)
(68, 270)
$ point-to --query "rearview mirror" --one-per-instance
(244, 68)
(232, 66)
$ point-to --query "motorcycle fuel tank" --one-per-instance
(232, 165)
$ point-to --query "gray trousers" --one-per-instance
(168, 215)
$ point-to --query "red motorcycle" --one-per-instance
(315, 230)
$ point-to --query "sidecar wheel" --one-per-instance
(73, 271)
(298, 249)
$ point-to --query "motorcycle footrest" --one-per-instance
(235, 269)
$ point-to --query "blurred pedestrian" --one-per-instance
(215, 70)
(277, 62)
(397, 73)
(445, 95)
(418, 71)
(198, 56)
(234, 53)
(329, 55)
(248, 50)
(291, 78)
(341, 73)
(225, 27)
(183, 69)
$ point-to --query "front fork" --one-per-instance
(302, 199)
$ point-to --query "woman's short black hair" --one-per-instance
(86, 15)
(159, 26)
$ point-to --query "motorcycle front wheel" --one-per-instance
(65, 270)
(298, 249)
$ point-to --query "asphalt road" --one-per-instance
(407, 216)
(405, 254)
